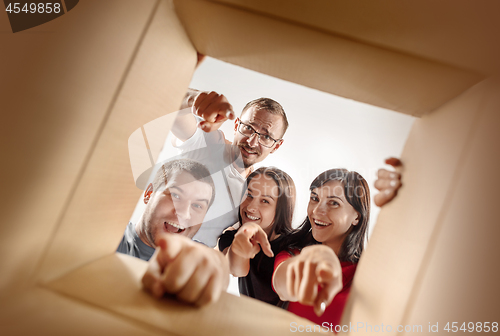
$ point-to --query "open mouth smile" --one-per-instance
(321, 223)
(252, 217)
(172, 227)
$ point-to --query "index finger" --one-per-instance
(261, 238)
(331, 284)
(170, 246)
(212, 107)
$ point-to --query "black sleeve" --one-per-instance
(226, 239)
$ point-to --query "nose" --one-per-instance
(252, 206)
(320, 209)
(182, 211)
(253, 140)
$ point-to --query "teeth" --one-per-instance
(317, 222)
(177, 226)
(252, 217)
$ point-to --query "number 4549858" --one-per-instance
(47, 7)
(472, 327)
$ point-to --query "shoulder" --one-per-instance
(227, 237)
(127, 242)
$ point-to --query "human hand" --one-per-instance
(388, 182)
(315, 267)
(214, 108)
(191, 271)
(248, 241)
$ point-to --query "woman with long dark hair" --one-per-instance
(265, 217)
(316, 268)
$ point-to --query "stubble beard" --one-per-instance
(240, 159)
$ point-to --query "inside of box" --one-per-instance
(135, 63)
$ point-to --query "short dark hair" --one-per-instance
(285, 204)
(172, 168)
(269, 105)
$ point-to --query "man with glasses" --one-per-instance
(258, 132)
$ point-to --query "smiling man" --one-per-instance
(177, 202)
(258, 132)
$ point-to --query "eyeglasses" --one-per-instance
(264, 139)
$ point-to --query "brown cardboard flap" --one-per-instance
(113, 283)
(391, 269)
(458, 32)
(327, 62)
(41, 311)
(105, 194)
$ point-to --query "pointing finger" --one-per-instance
(170, 246)
(331, 284)
(261, 238)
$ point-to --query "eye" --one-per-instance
(249, 195)
(266, 137)
(247, 128)
(334, 203)
(265, 201)
(314, 198)
(197, 206)
(174, 195)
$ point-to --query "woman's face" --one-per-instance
(259, 204)
(330, 214)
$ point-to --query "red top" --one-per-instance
(333, 312)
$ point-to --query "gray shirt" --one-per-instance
(132, 245)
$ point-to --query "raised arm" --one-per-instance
(298, 278)
(193, 272)
(247, 242)
(185, 124)
(212, 107)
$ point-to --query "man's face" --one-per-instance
(263, 122)
(179, 208)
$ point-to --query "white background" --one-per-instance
(325, 131)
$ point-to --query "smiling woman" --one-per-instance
(316, 271)
(265, 217)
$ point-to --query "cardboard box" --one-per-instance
(74, 89)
